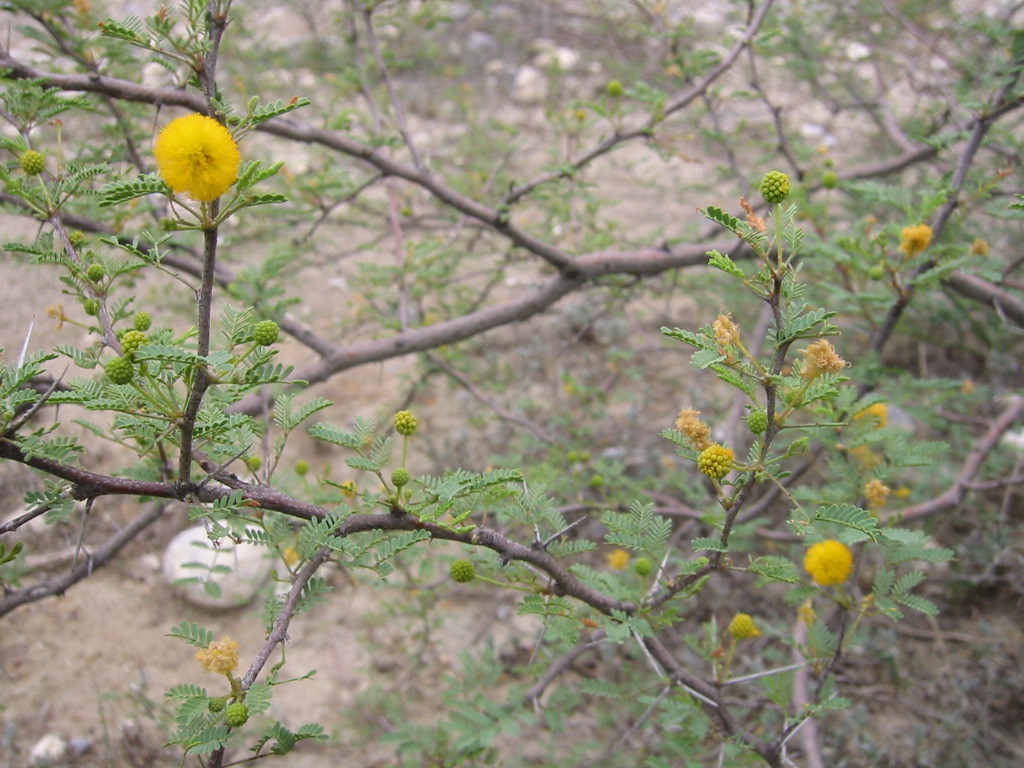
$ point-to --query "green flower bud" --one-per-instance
(143, 320)
(400, 477)
(95, 273)
(237, 714)
(643, 566)
(829, 180)
(301, 467)
(774, 186)
(217, 704)
(463, 571)
(131, 341)
(120, 370)
(405, 423)
(91, 307)
(615, 89)
(757, 421)
(265, 333)
(32, 162)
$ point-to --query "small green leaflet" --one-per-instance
(849, 516)
(198, 636)
(719, 216)
(721, 261)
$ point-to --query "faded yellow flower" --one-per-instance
(821, 358)
(290, 555)
(695, 430)
(806, 612)
(829, 562)
(913, 240)
(56, 312)
(979, 247)
(617, 559)
(727, 333)
(865, 457)
(197, 156)
(877, 493)
(220, 656)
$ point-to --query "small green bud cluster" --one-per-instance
(829, 180)
(120, 370)
(217, 704)
(143, 321)
(301, 467)
(757, 421)
(32, 162)
(91, 307)
(615, 89)
(774, 186)
(400, 477)
(463, 571)
(265, 333)
(405, 423)
(131, 341)
(643, 566)
(95, 273)
(237, 714)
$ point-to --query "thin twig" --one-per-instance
(95, 559)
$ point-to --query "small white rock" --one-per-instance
(49, 750)
(857, 51)
(530, 86)
(564, 58)
(1014, 440)
(192, 556)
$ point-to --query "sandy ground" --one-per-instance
(92, 665)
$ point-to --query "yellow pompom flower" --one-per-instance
(913, 240)
(743, 627)
(829, 562)
(220, 656)
(878, 412)
(618, 559)
(197, 156)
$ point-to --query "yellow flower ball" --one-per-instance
(877, 413)
(617, 559)
(914, 240)
(220, 656)
(743, 627)
(197, 156)
(829, 562)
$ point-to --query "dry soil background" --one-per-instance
(91, 666)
